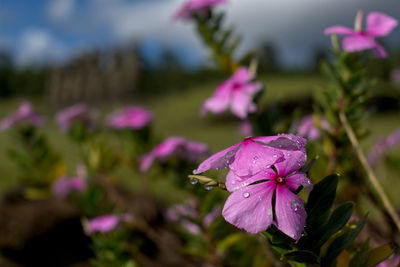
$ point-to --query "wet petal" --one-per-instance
(294, 160)
(234, 182)
(341, 30)
(290, 213)
(379, 24)
(250, 208)
(252, 158)
(219, 160)
(294, 181)
(354, 43)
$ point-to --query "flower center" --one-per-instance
(280, 180)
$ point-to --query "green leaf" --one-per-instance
(342, 241)
(302, 256)
(320, 202)
(371, 257)
(337, 220)
(229, 241)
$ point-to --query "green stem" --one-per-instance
(370, 173)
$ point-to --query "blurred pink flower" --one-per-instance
(24, 114)
(131, 117)
(106, 223)
(309, 130)
(378, 25)
(383, 146)
(62, 187)
(76, 113)
(249, 207)
(187, 212)
(236, 92)
(254, 154)
(174, 146)
(199, 7)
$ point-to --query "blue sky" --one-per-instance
(37, 31)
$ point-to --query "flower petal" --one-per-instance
(379, 24)
(354, 43)
(242, 104)
(379, 51)
(219, 160)
(242, 76)
(294, 160)
(290, 213)
(342, 30)
(219, 101)
(252, 158)
(250, 208)
(234, 182)
(297, 179)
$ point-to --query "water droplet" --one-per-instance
(193, 181)
(259, 198)
(275, 156)
(269, 211)
(295, 205)
(208, 187)
(233, 182)
(246, 194)
(196, 172)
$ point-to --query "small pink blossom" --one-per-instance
(174, 146)
(378, 25)
(309, 130)
(24, 114)
(63, 186)
(106, 223)
(254, 154)
(393, 261)
(131, 117)
(186, 213)
(382, 146)
(237, 93)
(76, 113)
(199, 7)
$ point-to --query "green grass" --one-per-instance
(178, 114)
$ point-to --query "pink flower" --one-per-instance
(199, 7)
(382, 146)
(76, 113)
(254, 154)
(237, 93)
(309, 130)
(188, 212)
(132, 117)
(24, 114)
(392, 262)
(106, 223)
(249, 207)
(174, 146)
(378, 25)
(63, 186)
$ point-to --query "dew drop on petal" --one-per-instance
(193, 181)
(208, 187)
(246, 194)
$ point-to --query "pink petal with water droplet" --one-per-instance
(250, 208)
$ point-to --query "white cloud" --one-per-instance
(37, 46)
(60, 10)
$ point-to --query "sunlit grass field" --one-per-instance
(177, 113)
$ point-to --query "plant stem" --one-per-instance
(370, 173)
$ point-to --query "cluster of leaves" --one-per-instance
(329, 233)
